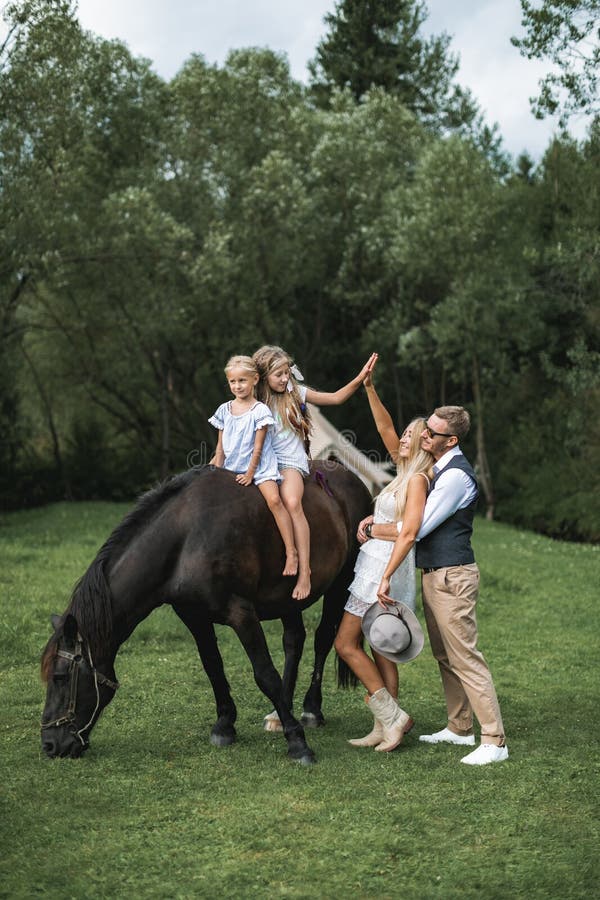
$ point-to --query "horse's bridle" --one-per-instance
(75, 660)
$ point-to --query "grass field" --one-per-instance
(153, 810)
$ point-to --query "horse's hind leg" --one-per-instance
(244, 621)
(294, 635)
(331, 616)
(223, 731)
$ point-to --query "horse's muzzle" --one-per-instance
(67, 747)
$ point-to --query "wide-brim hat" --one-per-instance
(394, 632)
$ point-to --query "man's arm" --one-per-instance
(453, 490)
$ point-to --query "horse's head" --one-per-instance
(76, 691)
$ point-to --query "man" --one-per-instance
(450, 587)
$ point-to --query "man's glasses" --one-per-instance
(433, 433)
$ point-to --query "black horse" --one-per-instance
(210, 548)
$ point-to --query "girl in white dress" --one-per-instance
(287, 399)
(245, 446)
(402, 501)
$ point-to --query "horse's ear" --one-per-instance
(70, 628)
(55, 621)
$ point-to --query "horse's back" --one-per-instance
(231, 544)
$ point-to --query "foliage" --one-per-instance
(148, 230)
(153, 809)
(567, 34)
(380, 45)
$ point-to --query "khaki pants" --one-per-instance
(449, 599)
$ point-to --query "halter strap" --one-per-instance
(75, 660)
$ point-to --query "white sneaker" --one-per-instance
(445, 736)
(486, 753)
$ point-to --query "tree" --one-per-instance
(80, 121)
(377, 43)
(27, 169)
(565, 33)
(561, 385)
(466, 275)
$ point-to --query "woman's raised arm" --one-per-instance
(383, 421)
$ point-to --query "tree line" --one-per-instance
(149, 229)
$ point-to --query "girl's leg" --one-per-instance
(270, 492)
(292, 490)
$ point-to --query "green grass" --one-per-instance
(153, 810)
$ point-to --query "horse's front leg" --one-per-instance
(223, 731)
(294, 635)
(244, 621)
(331, 616)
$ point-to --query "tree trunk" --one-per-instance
(481, 462)
(58, 460)
(166, 388)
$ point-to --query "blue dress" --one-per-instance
(239, 433)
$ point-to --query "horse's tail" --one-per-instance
(345, 676)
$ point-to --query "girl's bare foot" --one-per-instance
(291, 563)
(302, 589)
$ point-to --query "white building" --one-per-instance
(326, 442)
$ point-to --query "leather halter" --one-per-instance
(75, 660)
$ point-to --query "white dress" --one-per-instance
(287, 443)
(239, 433)
(372, 559)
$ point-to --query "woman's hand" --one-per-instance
(360, 533)
(244, 478)
(383, 593)
(369, 369)
(366, 373)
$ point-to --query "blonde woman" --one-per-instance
(403, 500)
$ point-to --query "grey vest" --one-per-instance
(450, 543)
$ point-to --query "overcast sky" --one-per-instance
(168, 31)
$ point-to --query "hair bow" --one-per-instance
(295, 371)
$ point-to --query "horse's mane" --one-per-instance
(91, 600)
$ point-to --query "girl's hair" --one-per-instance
(241, 362)
(419, 461)
(287, 405)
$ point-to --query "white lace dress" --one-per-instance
(371, 562)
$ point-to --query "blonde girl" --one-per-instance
(403, 502)
(280, 390)
(245, 446)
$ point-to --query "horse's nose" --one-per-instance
(76, 750)
(49, 747)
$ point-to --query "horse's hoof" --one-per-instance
(312, 720)
(272, 722)
(307, 759)
(222, 740)
(302, 753)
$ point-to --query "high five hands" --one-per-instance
(366, 373)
